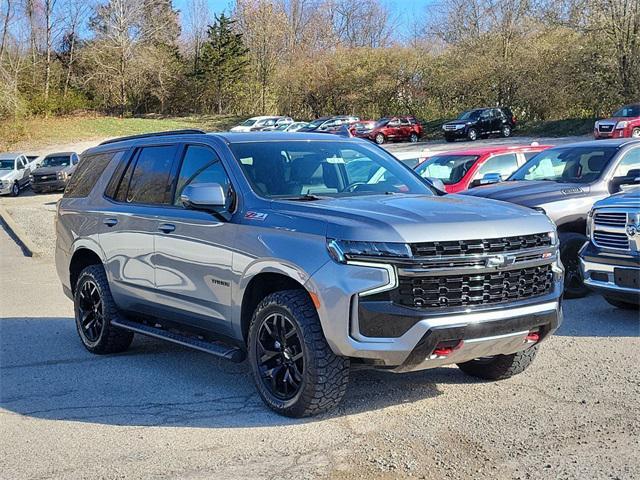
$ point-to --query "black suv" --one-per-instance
(480, 122)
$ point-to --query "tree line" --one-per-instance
(305, 58)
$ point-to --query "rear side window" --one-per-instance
(87, 173)
(147, 177)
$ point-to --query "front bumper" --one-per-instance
(458, 133)
(598, 272)
(5, 188)
(49, 185)
(489, 330)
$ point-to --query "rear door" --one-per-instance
(139, 189)
(393, 128)
(193, 249)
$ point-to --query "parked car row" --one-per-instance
(49, 173)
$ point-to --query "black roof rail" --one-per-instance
(186, 131)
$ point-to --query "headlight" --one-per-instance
(31, 178)
(596, 125)
(621, 125)
(343, 250)
(458, 127)
(553, 236)
(62, 175)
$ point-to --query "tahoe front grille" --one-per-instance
(482, 246)
(473, 289)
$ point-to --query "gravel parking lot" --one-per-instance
(162, 411)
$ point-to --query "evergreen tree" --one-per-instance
(224, 60)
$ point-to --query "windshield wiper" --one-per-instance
(307, 197)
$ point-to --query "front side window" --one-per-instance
(147, 176)
(630, 161)
(505, 165)
(567, 164)
(248, 123)
(448, 168)
(200, 165)
(327, 168)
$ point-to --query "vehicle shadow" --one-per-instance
(594, 317)
(46, 373)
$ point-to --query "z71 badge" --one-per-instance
(255, 216)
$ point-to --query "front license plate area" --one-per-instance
(627, 278)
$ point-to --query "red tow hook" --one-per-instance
(444, 349)
(533, 337)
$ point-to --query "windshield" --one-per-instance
(249, 123)
(294, 169)
(6, 164)
(628, 111)
(568, 164)
(63, 161)
(382, 122)
(318, 122)
(448, 168)
(469, 115)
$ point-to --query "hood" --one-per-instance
(6, 174)
(240, 128)
(49, 170)
(459, 122)
(415, 218)
(530, 193)
(626, 199)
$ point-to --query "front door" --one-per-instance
(193, 250)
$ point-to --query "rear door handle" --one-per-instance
(166, 227)
(110, 222)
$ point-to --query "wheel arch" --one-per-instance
(82, 257)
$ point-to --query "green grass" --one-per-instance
(34, 133)
(556, 128)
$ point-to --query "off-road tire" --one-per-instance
(325, 375)
(500, 367)
(620, 304)
(472, 134)
(111, 339)
(570, 244)
(379, 139)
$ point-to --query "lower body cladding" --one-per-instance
(614, 276)
(399, 338)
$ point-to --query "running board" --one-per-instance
(219, 349)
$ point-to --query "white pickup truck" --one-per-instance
(15, 169)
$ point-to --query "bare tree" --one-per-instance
(76, 13)
(361, 24)
(5, 26)
(49, 7)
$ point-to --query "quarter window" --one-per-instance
(87, 174)
(200, 165)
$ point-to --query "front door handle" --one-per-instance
(110, 222)
(166, 227)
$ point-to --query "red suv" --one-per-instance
(389, 129)
(463, 169)
(624, 123)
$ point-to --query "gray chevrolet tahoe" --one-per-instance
(304, 253)
(565, 182)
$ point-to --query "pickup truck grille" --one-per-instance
(474, 289)
(45, 178)
(611, 240)
(470, 247)
(611, 219)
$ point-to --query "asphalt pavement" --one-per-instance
(162, 411)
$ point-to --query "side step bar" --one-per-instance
(219, 349)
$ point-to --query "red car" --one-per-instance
(624, 123)
(396, 129)
(463, 169)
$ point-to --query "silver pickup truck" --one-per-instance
(307, 254)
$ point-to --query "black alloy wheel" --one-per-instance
(90, 311)
(280, 356)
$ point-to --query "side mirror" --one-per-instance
(487, 179)
(631, 178)
(437, 184)
(204, 196)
